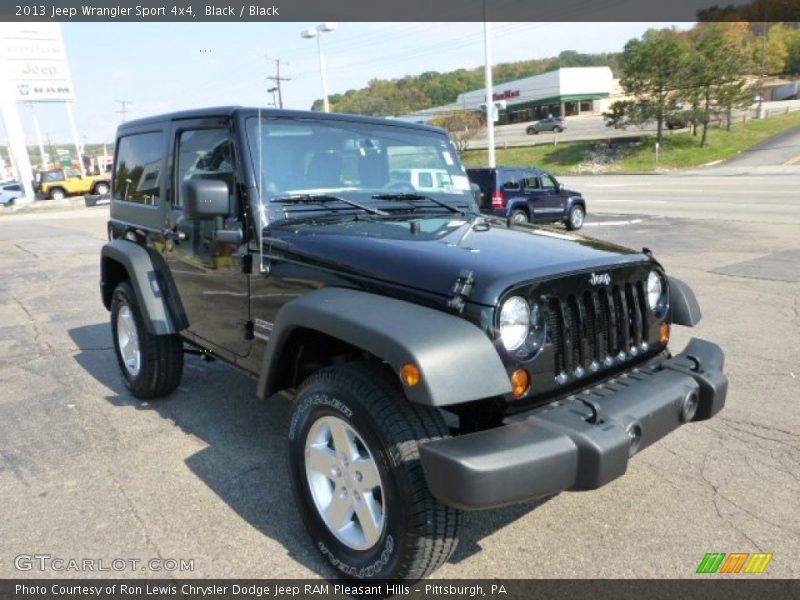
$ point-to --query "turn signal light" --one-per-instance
(663, 333)
(410, 374)
(520, 380)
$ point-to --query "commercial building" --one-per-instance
(563, 92)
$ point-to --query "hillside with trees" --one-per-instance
(388, 97)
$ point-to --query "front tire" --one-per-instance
(576, 216)
(353, 454)
(557, 130)
(151, 365)
(101, 189)
(57, 194)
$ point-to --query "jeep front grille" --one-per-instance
(597, 328)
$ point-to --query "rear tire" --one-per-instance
(151, 365)
(519, 217)
(382, 523)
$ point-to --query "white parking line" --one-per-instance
(601, 224)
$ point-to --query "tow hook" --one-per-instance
(595, 418)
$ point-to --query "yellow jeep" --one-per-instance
(59, 183)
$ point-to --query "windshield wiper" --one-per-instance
(325, 198)
(416, 197)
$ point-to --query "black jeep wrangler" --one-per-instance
(441, 360)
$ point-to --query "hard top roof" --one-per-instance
(231, 111)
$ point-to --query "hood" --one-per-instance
(431, 255)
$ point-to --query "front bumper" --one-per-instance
(581, 442)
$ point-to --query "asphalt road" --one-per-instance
(782, 149)
(593, 127)
(705, 196)
(86, 471)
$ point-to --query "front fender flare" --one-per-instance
(683, 306)
(457, 360)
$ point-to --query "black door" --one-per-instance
(207, 269)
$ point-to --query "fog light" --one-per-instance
(634, 432)
(689, 407)
(410, 374)
(663, 333)
(519, 382)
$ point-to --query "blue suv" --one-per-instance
(528, 195)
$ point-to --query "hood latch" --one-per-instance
(462, 288)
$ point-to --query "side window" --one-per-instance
(138, 168)
(203, 154)
(72, 174)
(510, 181)
(548, 183)
(13, 188)
(531, 183)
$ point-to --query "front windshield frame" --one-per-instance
(383, 137)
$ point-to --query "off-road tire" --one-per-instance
(57, 194)
(161, 355)
(419, 532)
(100, 189)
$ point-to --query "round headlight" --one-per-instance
(655, 291)
(515, 321)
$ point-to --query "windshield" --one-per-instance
(302, 156)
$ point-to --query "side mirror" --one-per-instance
(560, 187)
(205, 199)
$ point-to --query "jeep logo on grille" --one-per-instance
(600, 279)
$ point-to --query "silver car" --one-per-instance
(9, 192)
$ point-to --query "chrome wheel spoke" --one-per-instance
(365, 474)
(342, 440)
(340, 510)
(370, 517)
(322, 460)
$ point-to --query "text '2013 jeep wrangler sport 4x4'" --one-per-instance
(442, 360)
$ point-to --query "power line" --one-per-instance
(277, 79)
(123, 108)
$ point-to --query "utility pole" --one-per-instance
(277, 79)
(487, 54)
(123, 108)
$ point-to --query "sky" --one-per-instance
(161, 67)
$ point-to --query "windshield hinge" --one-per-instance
(462, 287)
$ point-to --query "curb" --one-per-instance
(42, 206)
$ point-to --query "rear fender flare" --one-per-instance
(149, 276)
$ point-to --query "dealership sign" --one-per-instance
(35, 68)
(506, 95)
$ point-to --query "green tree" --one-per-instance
(652, 71)
(713, 73)
(462, 125)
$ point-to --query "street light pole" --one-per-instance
(316, 32)
(487, 45)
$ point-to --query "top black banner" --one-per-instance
(401, 10)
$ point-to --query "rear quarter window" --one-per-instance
(138, 168)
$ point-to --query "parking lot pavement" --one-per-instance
(86, 471)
